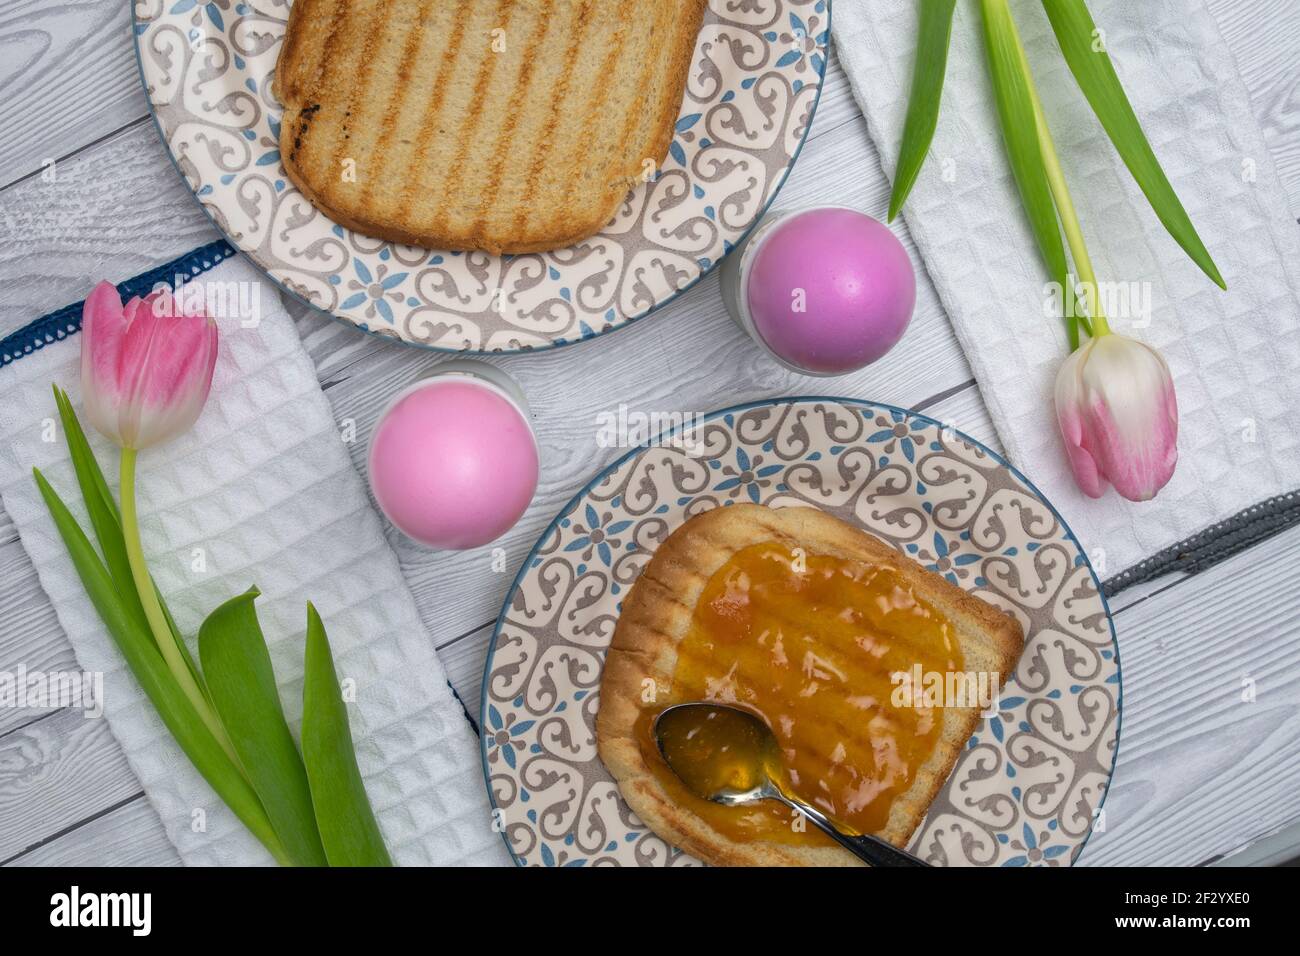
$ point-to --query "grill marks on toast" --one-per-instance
(355, 139)
(608, 78)
(461, 146)
(518, 70)
(474, 111)
(520, 191)
(634, 119)
(342, 53)
(338, 14)
(404, 208)
(302, 49)
(401, 84)
(517, 138)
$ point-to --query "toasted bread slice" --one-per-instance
(509, 126)
(657, 615)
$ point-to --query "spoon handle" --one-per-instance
(876, 851)
(866, 847)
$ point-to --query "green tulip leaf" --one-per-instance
(1015, 102)
(1091, 65)
(159, 684)
(100, 506)
(106, 520)
(343, 814)
(934, 33)
(241, 685)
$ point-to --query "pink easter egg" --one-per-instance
(830, 290)
(453, 463)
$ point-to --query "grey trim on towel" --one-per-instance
(1215, 543)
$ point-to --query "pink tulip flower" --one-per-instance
(146, 367)
(1118, 414)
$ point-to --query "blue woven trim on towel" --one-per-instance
(66, 321)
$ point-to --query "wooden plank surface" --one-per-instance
(56, 772)
(1209, 754)
(116, 207)
(127, 835)
(69, 77)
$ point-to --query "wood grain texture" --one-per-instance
(127, 835)
(1202, 769)
(463, 661)
(114, 210)
(27, 611)
(117, 208)
(69, 76)
(54, 773)
(1265, 37)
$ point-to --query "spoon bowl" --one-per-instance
(729, 756)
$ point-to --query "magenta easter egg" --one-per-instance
(453, 462)
(828, 290)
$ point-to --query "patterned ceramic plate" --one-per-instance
(1028, 785)
(755, 78)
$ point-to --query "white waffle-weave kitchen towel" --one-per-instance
(1235, 355)
(261, 491)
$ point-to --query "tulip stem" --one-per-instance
(1095, 325)
(153, 612)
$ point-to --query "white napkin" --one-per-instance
(1235, 355)
(261, 491)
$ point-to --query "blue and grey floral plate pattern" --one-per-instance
(754, 81)
(1028, 786)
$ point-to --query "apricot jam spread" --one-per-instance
(808, 643)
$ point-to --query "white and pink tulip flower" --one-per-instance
(146, 370)
(1119, 416)
(146, 367)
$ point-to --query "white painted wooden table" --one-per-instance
(1200, 774)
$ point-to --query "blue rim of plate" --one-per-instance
(661, 438)
(740, 240)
